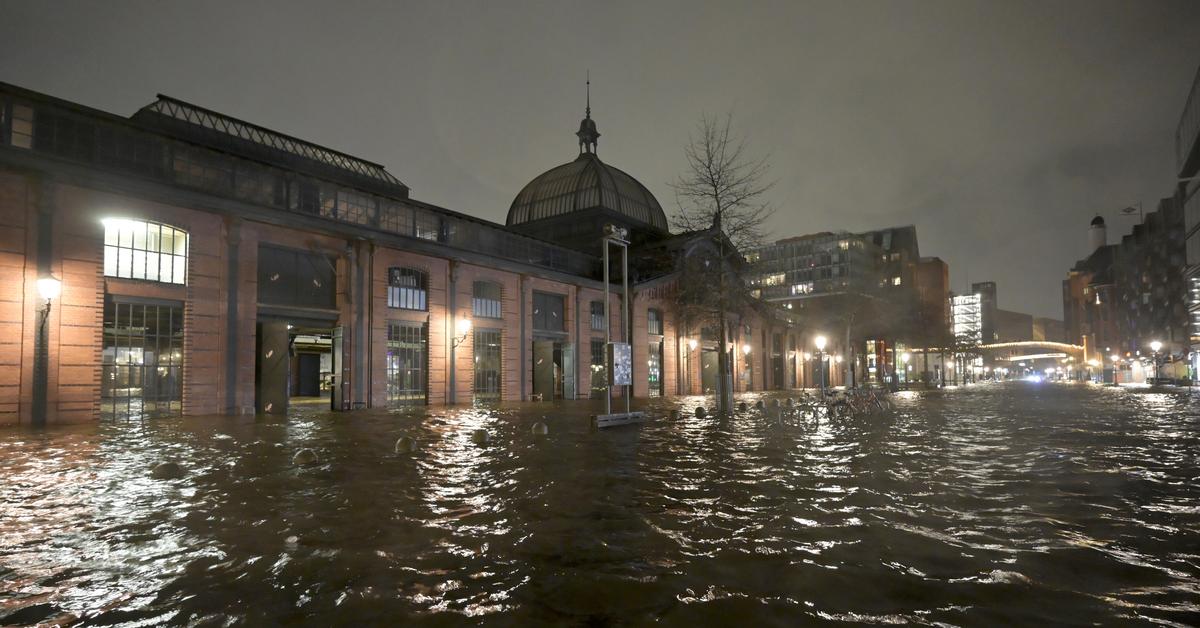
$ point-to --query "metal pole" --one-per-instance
(625, 308)
(607, 339)
(41, 368)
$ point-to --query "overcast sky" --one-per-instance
(999, 129)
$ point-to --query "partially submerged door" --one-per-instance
(271, 368)
(568, 371)
(543, 370)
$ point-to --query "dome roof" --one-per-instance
(585, 183)
(1098, 221)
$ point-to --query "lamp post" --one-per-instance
(820, 341)
(49, 288)
(905, 357)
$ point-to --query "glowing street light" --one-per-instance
(820, 341)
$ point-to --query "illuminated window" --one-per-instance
(485, 300)
(773, 280)
(407, 289)
(654, 323)
(134, 249)
(895, 281)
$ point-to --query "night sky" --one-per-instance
(999, 129)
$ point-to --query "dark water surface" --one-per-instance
(1006, 504)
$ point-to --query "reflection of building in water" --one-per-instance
(210, 265)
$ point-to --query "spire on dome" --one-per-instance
(587, 132)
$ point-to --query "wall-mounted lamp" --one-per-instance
(746, 349)
(692, 344)
(49, 287)
(462, 328)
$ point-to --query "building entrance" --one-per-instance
(296, 363)
(553, 370)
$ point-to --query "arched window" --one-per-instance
(485, 299)
(136, 249)
(654, 322)
(408, 289)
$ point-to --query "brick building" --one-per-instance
(210, 265)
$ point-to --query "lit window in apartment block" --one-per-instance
(134, 249)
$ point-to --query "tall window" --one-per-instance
(654, 323)
(406, 354)
(487, 364)
(599, 373)
(407, 289)
(654, 361)
(134, 249)
(22, 126)
(548, 312)
(598, 322)
(141, 361)
(485, 299)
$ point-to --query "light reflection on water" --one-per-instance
(1015, 503)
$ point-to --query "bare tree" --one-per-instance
(722, 189)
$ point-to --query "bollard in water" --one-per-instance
(759, 405)
(700, 412)
(791, 403)
(675, 414)
(304, 457)
(167, 471)
(480, 437)
(406, 445)
(742, 406)
(540, 429)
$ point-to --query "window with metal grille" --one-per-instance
(598, 322)
(406, 359)
(135, 249)
(487, 364)
(356, 207)
(655, 361)
(654, 322)
(141, 373)
(599, 377)
(407, 289)
(485, 299)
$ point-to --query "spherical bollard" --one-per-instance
(759, 405)
(675, 414)
(540, 429)
(304, 457)
(742, 406)
(167, 471)
(700, 412)
(480, 437)
(406, 445)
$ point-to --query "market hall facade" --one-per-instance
(199, 264)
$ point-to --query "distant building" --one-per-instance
(1048, 329)
(1089, 299)
(1187, 169)
(988, 304)
(859, 284)
(1148, 273)
(1013, 326)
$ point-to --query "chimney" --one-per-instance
(1097, 234)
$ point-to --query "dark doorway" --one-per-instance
(708, 370)
(308, 375)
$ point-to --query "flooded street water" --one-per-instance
(1017, 503)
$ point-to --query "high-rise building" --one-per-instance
(1187, 169)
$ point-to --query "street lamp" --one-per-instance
(49, 288)
(820, 341)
